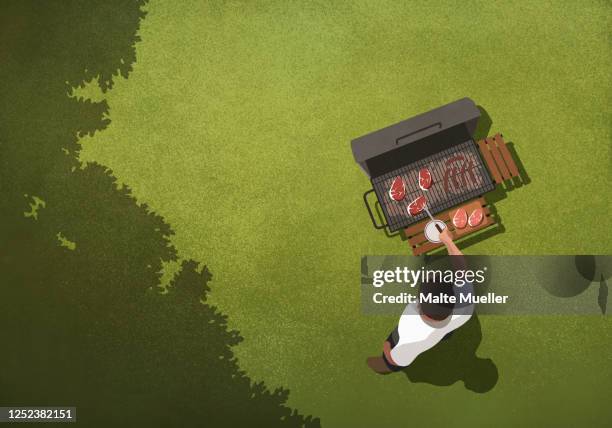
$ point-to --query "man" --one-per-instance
(423, 325)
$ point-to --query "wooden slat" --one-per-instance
(499, 160)
(499, 139)
(486, 153)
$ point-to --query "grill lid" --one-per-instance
(416, 138)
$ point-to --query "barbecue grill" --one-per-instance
(440, 140)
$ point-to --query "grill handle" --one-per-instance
(365, 200)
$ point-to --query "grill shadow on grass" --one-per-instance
(454, 360)
(484, 124)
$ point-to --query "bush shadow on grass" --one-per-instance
(455, 360)
(83, 324)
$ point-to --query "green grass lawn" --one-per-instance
(235, 127)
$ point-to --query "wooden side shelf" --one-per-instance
(498, 158)
(420, 244)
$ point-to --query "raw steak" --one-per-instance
(417, 205)
(425, 179)
(397, 192)
(476, 217)
(460, 219)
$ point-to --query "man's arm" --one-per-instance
(447, 240)
(458, 260)
(462, 313)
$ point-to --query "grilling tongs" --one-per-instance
(432, 219)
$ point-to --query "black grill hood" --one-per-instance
(415, 138)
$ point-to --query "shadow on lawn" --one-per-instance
(82, 322)
(570, 280)
(484, 124)
(596, 269)
(454, 360)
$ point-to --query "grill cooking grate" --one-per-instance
(458, 175)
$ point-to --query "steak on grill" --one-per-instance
(460, 218)
(416, 206)
(425, 179)
(444, 193)
(476, 217)
(397, 192)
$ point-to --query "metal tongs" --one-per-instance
(432, 218)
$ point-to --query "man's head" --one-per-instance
(436, 311)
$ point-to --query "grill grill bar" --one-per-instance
(458, 175)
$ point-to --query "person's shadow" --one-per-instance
(454, 359)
